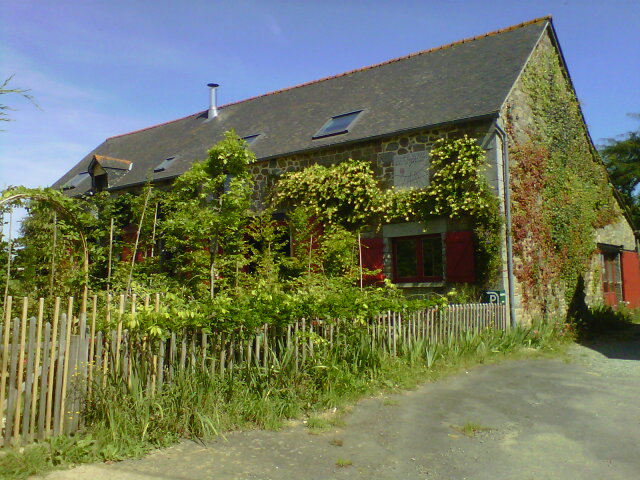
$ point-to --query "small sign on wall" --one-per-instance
(411, 170)
(495, 296)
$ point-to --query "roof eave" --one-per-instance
(476, 118)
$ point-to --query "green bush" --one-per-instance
(602, 319)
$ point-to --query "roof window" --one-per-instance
(337, 125)
(164, 164)
(250, 138)
(75, 181)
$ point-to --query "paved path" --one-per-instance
(548, 419)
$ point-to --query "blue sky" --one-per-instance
(102, 68)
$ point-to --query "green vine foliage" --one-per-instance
(223, 264)
(205, 213)
(560, 189)
(457, 187)
(348, 195)
(33, 252)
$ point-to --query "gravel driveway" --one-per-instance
(533, 419)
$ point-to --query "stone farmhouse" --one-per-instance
(390, 114)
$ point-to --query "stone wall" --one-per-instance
(522, 123)
(617, 233)
(380, 152)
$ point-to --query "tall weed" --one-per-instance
(127, 420)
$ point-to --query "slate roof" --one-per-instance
(464, 80)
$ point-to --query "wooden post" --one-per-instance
(161, 349)
(172, 355)
(30, 376)
(119, 335)
(6, 285)
(52, 361)
(44, 385)
(223, 353)
(265, 344)
(295, 345)
(153, 235)
(36, 369)
(360, 260)
(304, 342)
(249, 349)
(65, 372)
(257, 348)
(110, 257)
(5, 351)
(183, 351)
(13, 366)
(23, 331)
(92, 342)
(203, 348)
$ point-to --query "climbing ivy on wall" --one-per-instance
(560, 190)
(348, 195)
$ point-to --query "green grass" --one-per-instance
(124, 423)
(471, 429)
(322, 424)
(343, 462)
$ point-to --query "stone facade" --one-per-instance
(380, 152)
(522, 122)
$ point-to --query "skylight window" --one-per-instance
(250, 138)
(75, 181)
(337, 125)
(164, 164)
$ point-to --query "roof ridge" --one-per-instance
(361, 69)
(157, 125)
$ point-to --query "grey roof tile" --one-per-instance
(467, 79)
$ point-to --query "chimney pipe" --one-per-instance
(213, 109)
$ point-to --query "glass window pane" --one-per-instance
(337, 124)
(432, 257)
(164, 164)
(250, 138)
(406, 257)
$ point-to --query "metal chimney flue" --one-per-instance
(213, 104)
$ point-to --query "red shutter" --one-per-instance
(372, 259)
(631, 278)
(460, 257)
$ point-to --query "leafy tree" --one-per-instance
(5, 90)
(205, 214)
(622, 158)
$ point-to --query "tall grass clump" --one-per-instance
(125, 419)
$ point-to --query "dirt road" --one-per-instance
(534, 419)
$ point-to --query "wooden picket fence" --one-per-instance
(53, 359)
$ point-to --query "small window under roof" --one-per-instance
(337, 125)
(251, 138)
(164, 164)
(75, 181)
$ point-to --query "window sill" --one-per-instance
(439, 283)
